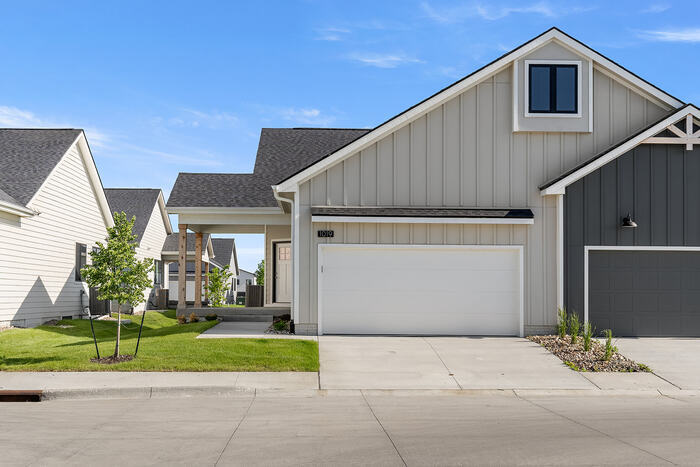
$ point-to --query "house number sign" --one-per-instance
(326, 233)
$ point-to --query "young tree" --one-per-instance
(260, 273)
(115, 271)
(218, 285)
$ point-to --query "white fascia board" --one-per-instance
(290, 185)
(421, 220)
(559, 188)
(164, 213)
(16, 209)
(224, 210)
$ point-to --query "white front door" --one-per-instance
(283, 272)
(420, 289)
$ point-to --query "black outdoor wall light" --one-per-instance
(627, 222)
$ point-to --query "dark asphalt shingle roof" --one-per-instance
(281, 153)
(136, 202)
(27, 157)
(391, 211)
(171, 242)
(224, 251)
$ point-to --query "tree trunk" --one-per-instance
(119, 328)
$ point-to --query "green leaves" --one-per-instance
(260, 273)
(218, 285)
(115, 271)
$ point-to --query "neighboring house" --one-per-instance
(225, 255)
(245, 278)
(52, 212)
(505, 196)
(169, 254)
(151, 227)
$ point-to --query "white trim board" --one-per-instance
(291, 184)
(559, 188)
(421, 220)
(588, 248)
(325, 246)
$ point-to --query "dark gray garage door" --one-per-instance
(645, 293)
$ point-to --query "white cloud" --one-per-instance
(383, 60)
(679, 35)
(656, 8)
(18, 118)
(489, 12)
(332, 34)
(196, 159)
(306, 116)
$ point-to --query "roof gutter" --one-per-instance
(17, 209)
(279, 198)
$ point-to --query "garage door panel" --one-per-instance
(420, 290)
(662, 299)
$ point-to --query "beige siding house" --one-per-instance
(151, 227)
(440, 220)
(52, 212)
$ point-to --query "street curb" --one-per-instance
(228, 391)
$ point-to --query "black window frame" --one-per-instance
(553, 88)
(80, 260)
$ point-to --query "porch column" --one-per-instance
(182, 267)
(198, 270)
(206, 281)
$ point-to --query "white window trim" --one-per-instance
(588, 248)
(325, 246)
(421, 220)
(579, 88)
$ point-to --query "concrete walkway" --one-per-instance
(676, 360)
(247, 330)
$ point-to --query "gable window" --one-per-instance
(80, 260)
(553, 89)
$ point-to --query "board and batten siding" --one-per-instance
(151, 245)
(37, 254)
(656, 184)
(464, 153)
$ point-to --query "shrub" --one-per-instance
(574, 326)
(181, 319)
(193, 317)
(562, 322)
(609, 348)
(588, 332)
(211, 317)
(218, 285)
(280, 325)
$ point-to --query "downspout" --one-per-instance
(282, 199)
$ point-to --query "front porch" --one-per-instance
(273, 222)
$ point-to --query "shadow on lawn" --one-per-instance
(8, 362)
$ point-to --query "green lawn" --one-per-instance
(165, 346)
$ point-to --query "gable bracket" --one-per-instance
(687, 137)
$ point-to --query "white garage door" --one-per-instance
(368, 289)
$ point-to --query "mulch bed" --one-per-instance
(578, 359)
(112, 359)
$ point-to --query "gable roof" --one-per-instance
(135, 202)
(225, 252)
(558, 185)
(171, 242)
(415, 111)
(27, 157)
(281, 152)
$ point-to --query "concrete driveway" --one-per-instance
(387, 362)
(677, 360)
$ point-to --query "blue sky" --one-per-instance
(162, 87)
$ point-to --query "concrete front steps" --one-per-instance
(249, 314)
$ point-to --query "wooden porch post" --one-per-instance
(206, 281)
(182, 267)
(198, 270)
